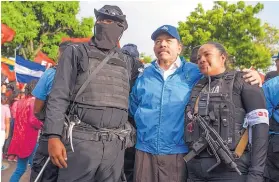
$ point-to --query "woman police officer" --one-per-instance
(228, 105)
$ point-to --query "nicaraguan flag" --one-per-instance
(27, 71)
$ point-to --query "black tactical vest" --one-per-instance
(110, 87)
(225, 117)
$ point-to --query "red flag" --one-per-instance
(43, 59)
(7, 34)
(76, 39)
(7, 72)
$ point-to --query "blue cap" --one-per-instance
(171, 30)
(276, 57)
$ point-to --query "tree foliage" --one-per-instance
(146, 58)
(271, 38)
(40, 26)
(233, 25)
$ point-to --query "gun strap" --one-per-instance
(241, 146)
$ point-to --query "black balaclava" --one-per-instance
(106, 36)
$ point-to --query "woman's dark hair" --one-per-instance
(223, 51)
(4, 99)
(29, 87)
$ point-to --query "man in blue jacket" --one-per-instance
(271, 92)
(157, 103)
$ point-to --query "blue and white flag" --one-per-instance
(27, 71)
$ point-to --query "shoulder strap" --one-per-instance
(229, 81)
(91, 76)
(195, 93)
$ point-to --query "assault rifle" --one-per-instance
(210, 137)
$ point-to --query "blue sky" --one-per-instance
(145, 16)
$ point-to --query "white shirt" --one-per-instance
(172, 68)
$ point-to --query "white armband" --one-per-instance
(255, 117)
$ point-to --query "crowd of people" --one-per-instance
(187, 121)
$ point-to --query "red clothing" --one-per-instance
(13, 109)
(26, 129)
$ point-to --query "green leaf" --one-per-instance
(236, 27)
(44, 23)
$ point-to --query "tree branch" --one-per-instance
(37, 50)
(31, 45)
(23, 53)
(56, 31)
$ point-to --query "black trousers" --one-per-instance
(50, 173)
(94, 161)
(129, 161)
(197, 170)
(272, 163)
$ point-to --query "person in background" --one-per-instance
(5, 124)
(273, 74)
(41, 92)
(13, 108)
(129, 158)
(271, 92)
(194, 55)
(26, 128)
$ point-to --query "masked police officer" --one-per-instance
(219, 103)
(94, 149)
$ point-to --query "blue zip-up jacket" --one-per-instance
(271, 92)
(158, 105)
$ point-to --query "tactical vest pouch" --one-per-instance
(130, 139)
(192, 132)
(191, 128)
(203, 103)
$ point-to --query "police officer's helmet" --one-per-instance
(112, 12)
